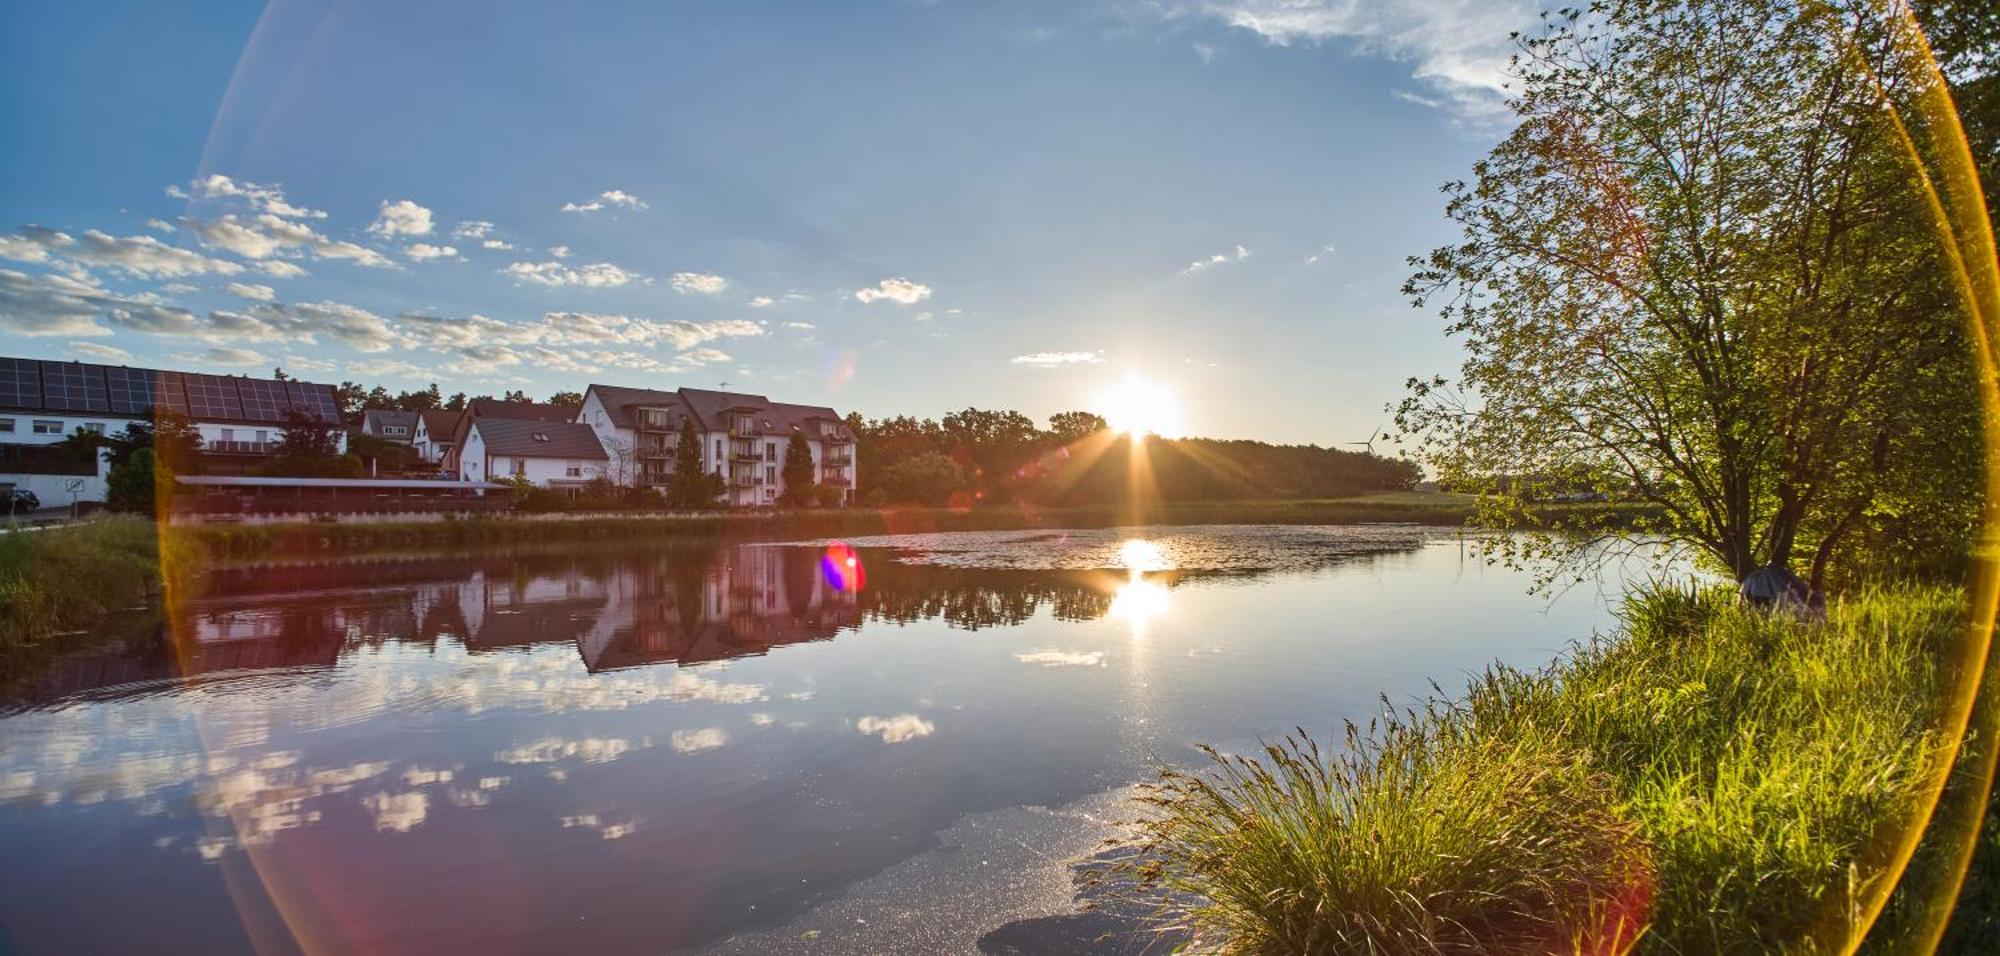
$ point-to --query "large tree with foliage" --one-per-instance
(691, 487)
(1698, 275)
(798, 472)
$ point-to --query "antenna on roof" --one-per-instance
(723, 384)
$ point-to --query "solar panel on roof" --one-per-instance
(212, 396)
(263, 401)
(130, 390)
(314, 400)
(73, 387)
(20, 383)
(170, 392)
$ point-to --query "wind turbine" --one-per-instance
(1369, 445)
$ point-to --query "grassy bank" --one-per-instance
(60, 580)
(255, 541)
(1710, 774)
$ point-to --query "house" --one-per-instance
(389, 423)
(743, 439)
(560, 455)
(482, 408)
(434, 434)
(241, 420)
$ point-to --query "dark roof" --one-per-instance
(84, 388)
(530, 411)
(711, 409)
(532, 439)
(440, 424)
(378, 417)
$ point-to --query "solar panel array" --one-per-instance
(83, 388)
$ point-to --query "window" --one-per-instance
(573, 470)
(6, 425)
(770, 451)
(95, 428)
(263, 436)
(43, 427)
(771, 474)
(229, 434)
(718, 453)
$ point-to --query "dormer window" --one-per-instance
(541, 436)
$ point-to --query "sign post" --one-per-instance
(75, 488)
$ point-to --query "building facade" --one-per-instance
(390, 424)
(743, 439)
(241, 420)
(436, 432)
(558, 455)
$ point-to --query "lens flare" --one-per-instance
(841, 566)
(1139, 407)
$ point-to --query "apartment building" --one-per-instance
(743, 439)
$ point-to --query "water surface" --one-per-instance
(741, 748)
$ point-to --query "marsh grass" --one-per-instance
(1709, 779)
(61, 579)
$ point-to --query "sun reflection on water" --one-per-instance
(1137, 600)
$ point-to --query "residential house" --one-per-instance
(484, 408)
(241, 420)
(434, 434)
(389, 423)
(560, 455)
(743, 439)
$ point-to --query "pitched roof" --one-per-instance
(620, 401)
(532, 439)
(86, 388)
(533, 411)
(711, 409)
(440, 424)
(375, 418)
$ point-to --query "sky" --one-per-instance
(888, 207)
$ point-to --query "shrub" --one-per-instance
(1726, 770)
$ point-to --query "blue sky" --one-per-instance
(894, 207)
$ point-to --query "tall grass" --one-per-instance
(61, 579)
(1710, 778)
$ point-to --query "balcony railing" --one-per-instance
(838, 459)
(743, 426)
(233, 447)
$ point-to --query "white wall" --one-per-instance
(23, 426)
(53, 489)
(623, 466)
(544, 472)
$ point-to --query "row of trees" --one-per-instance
(980, 455)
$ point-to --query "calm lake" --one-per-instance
(733, 748)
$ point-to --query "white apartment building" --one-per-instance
(743, 439)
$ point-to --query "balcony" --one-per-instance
(745, 427)
(657, 449)
(233, 447)
(655, 421)
(746, 480)
(838, 459)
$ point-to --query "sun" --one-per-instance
(1140, 407)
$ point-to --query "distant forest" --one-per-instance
(978, 456)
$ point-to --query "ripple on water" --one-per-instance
(1198, 548)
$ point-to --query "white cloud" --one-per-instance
(1459, 48)
(763, 302)
(900, 291)
(270, 199)
(159, 225)
(131, 255)
(389, 368)
(497, 245)
(267, 235)
(472, 229)
(607, 199)
(695, 741)
(559, 252)
(705, 283)
(102, 353)
(556, 275)
(1062, 658)
(897, 729)
(56, 304)
(1205, 52)
(1324, 252)
(304, 323)
(1057, 359)
(401, 218)
(246, 290)
(236, 358)
(280, 269)
(421, 251)
(801, 326)
(1216, 260)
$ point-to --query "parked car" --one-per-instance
(21, 499)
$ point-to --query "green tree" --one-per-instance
(567, 399)
(135, 485)
(926, 478)
(1067, 427)
(690, 486)
(1712, 289)
(798, 473)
